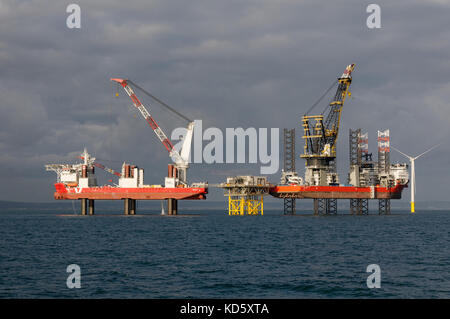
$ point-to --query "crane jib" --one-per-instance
(320, 131)
(163, 138)
(152, 122)
(99, 165)
(173, 153)
(168, 145)
(136, 101)
(103, 167)
(131, 93)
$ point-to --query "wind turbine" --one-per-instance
(413, 172)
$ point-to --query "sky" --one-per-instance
(246, 63)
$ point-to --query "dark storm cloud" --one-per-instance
(230, 63)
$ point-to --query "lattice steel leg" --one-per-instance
(331, 206)
(316, 206)
(364, 203)
(384, 206)
(289, 206)
(321, 206)
(359, 206)
(353, 206)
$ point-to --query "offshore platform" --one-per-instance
(78, 181)
(367, 179)
(378, 180)
(246, 194)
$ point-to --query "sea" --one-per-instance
(209, 254)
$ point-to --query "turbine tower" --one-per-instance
(413, 173)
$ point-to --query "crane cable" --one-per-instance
(161, 102)
(321, 98)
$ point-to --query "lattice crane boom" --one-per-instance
(103, 167)
(321, 134)
(181, 160)
(173, 153)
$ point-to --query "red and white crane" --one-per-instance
(181, 160)
(103, 167)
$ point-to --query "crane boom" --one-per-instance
(107, 169)
(173, 153)
(103, 167)
(321, 134)
(160, 102)
(334, 116)
(181, 160)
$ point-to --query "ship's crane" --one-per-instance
(103, 167)
(321, 133)
(181, 160)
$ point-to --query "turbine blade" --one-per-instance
(401, 152)
(427, 151)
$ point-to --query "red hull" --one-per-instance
(345, 192)
(142, 193)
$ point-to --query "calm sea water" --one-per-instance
(212, 255)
